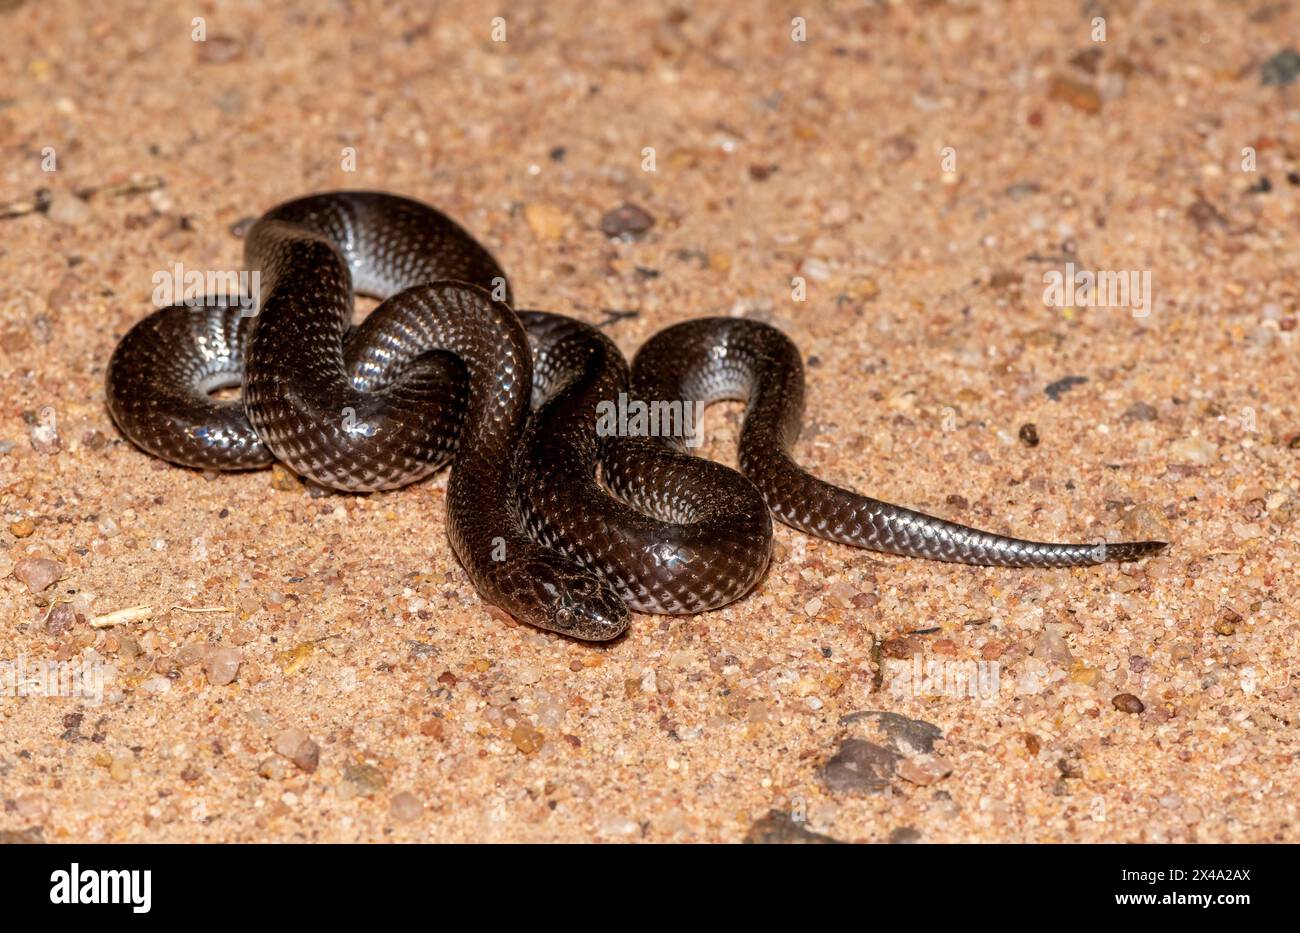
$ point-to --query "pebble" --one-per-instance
(1282, 69)
(1195, 450)
(1227, 623)
(1051, 645)
(860, 767)
(527, 739)
(627, 222)
(192, 653)
(862, 290)
(38, 573)
(546, 221)
(779, 828)
(904, 734)
(32, 808)
(221, 666)
(1127, 703)
(924, 769)
(1078, 94)
(128, 647)
(1144, 523)
(905, 835)
(283, 479)
(296, 745)
(1140, 411)
(273, 769)
(1029, 434)
(1056, 389)
(23, 528)
(364, 780)
(620, 826)
(405, 807)
(60, 619)
(68, 209)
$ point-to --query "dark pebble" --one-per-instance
(1282, 69)
(1029, 434)
(1058, 388)
(860, 767)
(1127, 703)
(627, 222)
(906, 735)
(777, 828)
(1141, 411)
(904, 835)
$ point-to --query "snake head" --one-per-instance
(581, 606)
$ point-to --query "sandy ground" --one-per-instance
(911, 172)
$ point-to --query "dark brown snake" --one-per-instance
(562, 519)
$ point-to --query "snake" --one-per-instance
(563, 515)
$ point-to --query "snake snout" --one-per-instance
(585, 608)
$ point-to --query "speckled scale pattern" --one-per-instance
(345, 415)
(695, 536)
(710, 359)
(534, 583)
(343, 426)
(158, 385)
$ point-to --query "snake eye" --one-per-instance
(564, 617)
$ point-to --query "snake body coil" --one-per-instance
(443, 365)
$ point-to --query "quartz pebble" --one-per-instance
(221, 666)
(1051, 646)
(546, 221)
(924, 769)
(298, 747)
(1194, 450)
(405, 807)
(38, 573)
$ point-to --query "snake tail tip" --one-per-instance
(1133, 550)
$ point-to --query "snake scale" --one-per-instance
(560, 524)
